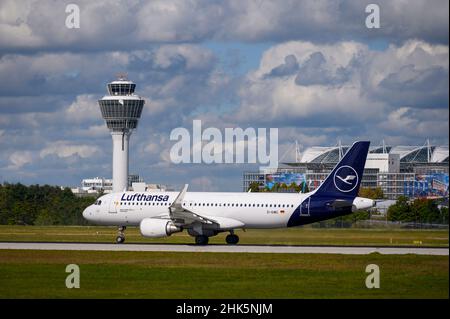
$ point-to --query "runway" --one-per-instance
(280, 249)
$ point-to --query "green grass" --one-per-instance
(41, 274)
(289, 236)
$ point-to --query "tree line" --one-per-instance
(420, 210)
(256, 187)
(41, 205)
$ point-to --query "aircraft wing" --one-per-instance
(182, 216)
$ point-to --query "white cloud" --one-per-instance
(19, 159)
(112, 24)
(416, 124)
(348, 84)
(85, 108)
(64, 149)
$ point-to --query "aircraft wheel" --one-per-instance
(232, 239)
(120, 239)
(201, 240)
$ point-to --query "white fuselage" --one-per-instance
(252, 210)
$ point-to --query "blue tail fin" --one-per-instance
(345, 178)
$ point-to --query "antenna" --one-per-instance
(122, 76)
(340, 149)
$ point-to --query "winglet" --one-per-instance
(177, 203)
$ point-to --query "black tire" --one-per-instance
(201, 240)
(232, 239)
(120, 239)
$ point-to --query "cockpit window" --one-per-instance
(99, 202)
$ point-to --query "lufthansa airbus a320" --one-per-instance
(206, 214)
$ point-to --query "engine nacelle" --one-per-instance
(361, 203)
(154, 227)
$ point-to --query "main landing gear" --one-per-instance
(120, 239)
(232, 239)
(201, 240)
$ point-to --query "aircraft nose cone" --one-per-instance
(86, 213)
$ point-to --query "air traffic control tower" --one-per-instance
(121, 110)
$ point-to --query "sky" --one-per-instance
(310, 68)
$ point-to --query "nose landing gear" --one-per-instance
(120, 239)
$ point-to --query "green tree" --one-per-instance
(372, 193)
(444, 215)
(42, 204)
(254, 187)
(400, 211)
(303, 187)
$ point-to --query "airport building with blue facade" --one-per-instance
(413, 171)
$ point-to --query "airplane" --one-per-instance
(206, 214)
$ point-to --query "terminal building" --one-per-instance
(412, 171)
(97, 185)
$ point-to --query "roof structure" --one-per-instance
(408, 154)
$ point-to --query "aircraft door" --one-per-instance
(113, 205)
(304, 207)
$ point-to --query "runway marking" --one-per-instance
(227, 248)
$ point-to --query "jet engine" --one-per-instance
(361, 203)
(154, 227)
